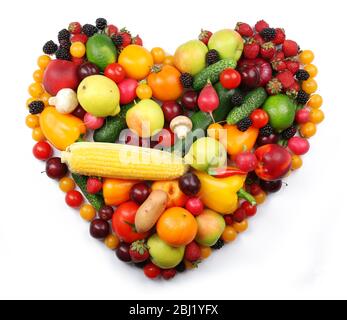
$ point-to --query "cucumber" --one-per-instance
(96, 200)
(113, 126)
(212, 73)
(202, 120)
(252, 101)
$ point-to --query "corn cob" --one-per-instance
(119, 161)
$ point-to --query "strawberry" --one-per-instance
(111, 30)
(267, 50)
(278, 65)
(286, 78)
(244, 29)
(279, 55)
(280, 36)
(295, 86)
(79, 38)
(251, 49)
(139, 251)
(94, 185)
(168, 274)
(193, 252)
(205, 36)
(290, 48)
(126, 35)
(75, 28)
(137, 40)
(293, 66)
(259, 39)
(261, 25)
(274, 87)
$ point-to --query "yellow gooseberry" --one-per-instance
(296, 162)
(316, 101)
(308, 130)
(317, 116)
(43, 61)
(112, 242)
(310, 86)
(306, 57)
(312, 70)
(67, 184)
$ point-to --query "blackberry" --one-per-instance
(63, 35)
(302, 75)
(50, 47)
(36, 107)
(244, 124)
(212, 57)
(236, 99)
(219, 245)
(181, 267)
(289, 133)
(187, 80)
(268, 34)
(267, 131)
(117, 40)
(66, 44)
(101, 23)
(63, 54)
(89, 30)
(302, 97)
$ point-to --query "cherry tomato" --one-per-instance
(229, 234)
(249, 209)
(115, 72)
(259, 118)
(87, 212)
(66, 184)
(230, 79)
(78, 50)
(74, 198)
(42, 150)
(123, 223)
(144, 91)
(152, 271)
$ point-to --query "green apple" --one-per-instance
(99, 96)
(206, 153)
(228, 43)
(211, 225)
(146, 118)
(191, 57)
(163, 255)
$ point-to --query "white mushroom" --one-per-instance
(65, 101)
(181, 126)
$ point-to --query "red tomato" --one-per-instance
(127, 90)
(74, 199)
(42, 150)
(123, 223)
(151, 271)
(249, 209)
(259, 118)
(115, 72)
(230, 79)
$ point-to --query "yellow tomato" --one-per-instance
(158, 55)
(38, 135)
(35, 90)
(78, 50)
(296, 162)
(136, 61)
(32, 121)
(38, 76)
(312, 70)
(112, 242)
(43, 62)
(87, 212)
(67, 184)
(316, 101)
(169, 61)
(229, 234)
(240, 227)
(310, 86)
(308, 130)
(317, 116)
(144, 91)
(306, 57)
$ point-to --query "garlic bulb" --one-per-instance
(65, 101)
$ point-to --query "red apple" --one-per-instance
(60, 74)
(274, 162)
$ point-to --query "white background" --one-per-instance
(296, 246)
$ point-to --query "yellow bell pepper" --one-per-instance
(236, 141)
(61, 130)
(220, 194)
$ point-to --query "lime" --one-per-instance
(281, 111)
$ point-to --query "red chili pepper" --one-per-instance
(226, 172)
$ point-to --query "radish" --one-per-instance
(208, 99)
(92, 122)
(299, 146)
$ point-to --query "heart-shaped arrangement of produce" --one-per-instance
(173, 154)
